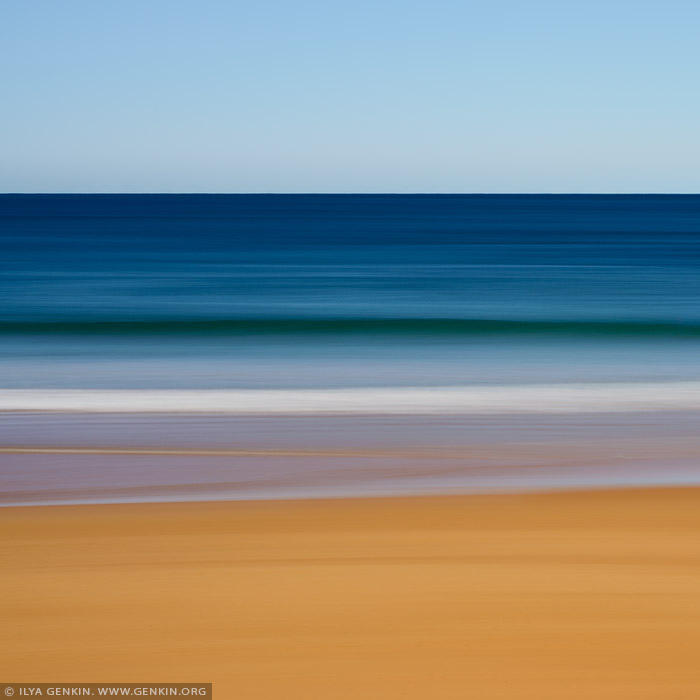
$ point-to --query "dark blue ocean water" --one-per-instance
(498, 257)
(347, 290)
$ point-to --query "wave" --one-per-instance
(540, 398)
(351, 326)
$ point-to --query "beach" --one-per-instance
(574, 594)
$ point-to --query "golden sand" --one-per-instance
(549, 596)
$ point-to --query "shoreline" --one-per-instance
(109, 458)
(577, 594)
(393, 495)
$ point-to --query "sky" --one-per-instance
(341, 96)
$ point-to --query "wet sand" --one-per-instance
(547, 596)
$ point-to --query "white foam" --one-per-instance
(539, 398)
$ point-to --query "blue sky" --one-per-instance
(339, 96)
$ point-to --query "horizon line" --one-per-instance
(367, 194)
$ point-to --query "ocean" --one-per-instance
(174, 347)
